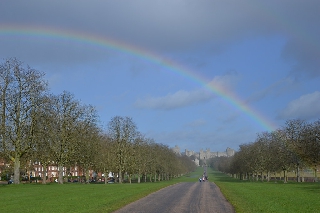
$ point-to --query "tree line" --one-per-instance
(294, 147)
(37, 126)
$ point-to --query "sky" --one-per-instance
(204, 74)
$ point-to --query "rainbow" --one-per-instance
(116, 45)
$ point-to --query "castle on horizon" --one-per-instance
(207, 154)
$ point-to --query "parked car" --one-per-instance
(111, 180)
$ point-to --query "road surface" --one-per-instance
(204, 197)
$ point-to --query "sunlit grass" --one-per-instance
(268, 197)
(245, 196)
(76, 197)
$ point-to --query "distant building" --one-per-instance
(176, 150)
(197, 161)
(53, 171)
(208, 154)
(204, 154)
(230, 152)
(190, 153)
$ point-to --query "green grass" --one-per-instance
(245, 196)
(76, 197)
(268, 197)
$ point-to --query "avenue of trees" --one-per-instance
(295, 147)
(36, 126)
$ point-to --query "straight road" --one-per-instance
(204, 197)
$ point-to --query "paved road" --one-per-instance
(199, 197)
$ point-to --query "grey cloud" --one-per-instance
(176, 100)
(306, 107)
(166, 25)
(278, 88)
(185, 98)
(227, 81)
(50, 51)
(304, 57)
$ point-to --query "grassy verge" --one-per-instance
(76, 197)
(268, 197)
(245, 196)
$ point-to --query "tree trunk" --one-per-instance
(60, 178)
(139, 176)
(16, 177)
(44, 177)
(268, 176)
(284, 176)
(315, 174)
(87, 176)
(298, 174)
(302, 176)
(120, 176)
(105, 176)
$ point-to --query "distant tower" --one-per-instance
(230, 152)
(176, 150)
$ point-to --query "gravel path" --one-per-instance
(199, 197)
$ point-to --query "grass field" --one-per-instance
(268, 197)
(77, 197)
(245, 196)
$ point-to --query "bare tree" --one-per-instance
(42, 152)
(21, 89)
(63, 132)
(122, 130)
(310, 147)
(294, 130)
(140, 144)
(106, 156)
(88, 136)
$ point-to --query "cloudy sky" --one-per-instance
(197, 74)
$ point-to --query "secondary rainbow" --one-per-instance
(116, 45)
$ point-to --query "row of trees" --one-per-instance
(296, 146)
(38, 126)
(134, 154)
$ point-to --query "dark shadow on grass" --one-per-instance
(309, 187)
(221, 177)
